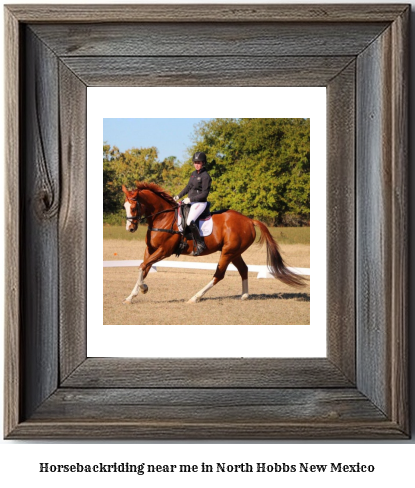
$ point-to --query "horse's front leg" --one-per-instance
(149, 260)
(140, 285)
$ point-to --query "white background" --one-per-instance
(167, 340)
(19, 461)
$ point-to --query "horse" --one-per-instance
(233, 233)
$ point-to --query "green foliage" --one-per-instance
(116, 218)
(259, 167)
(136, 164)
(111, 190)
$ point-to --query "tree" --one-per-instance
(111, 194)
(136, 164)
(259, 167)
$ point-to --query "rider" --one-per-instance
(198, 190)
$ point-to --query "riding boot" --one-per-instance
(198, 239)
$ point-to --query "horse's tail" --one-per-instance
(275, 263)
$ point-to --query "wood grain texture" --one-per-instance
(234, 39)
(206, 13)
(209, 405)
(382, 267)
(207, 71)
(39, 214)
(341, 237)
(206, 373)
(399, 224)
(374, 220)
(72, 222)
(188, 430)
(13, 382)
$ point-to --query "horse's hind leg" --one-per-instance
(218, 276)
(240, 265)
(196, 298)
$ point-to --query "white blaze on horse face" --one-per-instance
(127, 206)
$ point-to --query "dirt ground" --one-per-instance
(271, 302)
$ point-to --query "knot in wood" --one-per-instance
(46, 205)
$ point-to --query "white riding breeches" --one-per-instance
(195, 210)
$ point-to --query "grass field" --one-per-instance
(283, 235)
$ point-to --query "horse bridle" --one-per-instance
(137, 218)
(140, 219)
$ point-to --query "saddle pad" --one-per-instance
(205, 226)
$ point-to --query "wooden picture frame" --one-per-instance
(360, 53)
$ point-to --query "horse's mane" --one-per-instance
(157, 190)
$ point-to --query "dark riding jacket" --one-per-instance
(198, 187)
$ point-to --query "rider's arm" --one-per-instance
(185, 190)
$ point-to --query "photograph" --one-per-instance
(237, 194)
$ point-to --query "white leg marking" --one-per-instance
(196, 298)
(245, 293)
(140, 285)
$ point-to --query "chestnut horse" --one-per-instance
(232, 234)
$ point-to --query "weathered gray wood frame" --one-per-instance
(359, 52)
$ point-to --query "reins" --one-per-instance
(142, 219)
(170, 231)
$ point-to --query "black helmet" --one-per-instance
(199, 156)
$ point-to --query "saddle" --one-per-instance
(183, 212)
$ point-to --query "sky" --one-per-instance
(171, 136)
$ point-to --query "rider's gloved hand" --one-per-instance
(186, 200)
(176, 198)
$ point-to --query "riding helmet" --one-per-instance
(199, 156)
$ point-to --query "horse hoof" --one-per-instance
(144, 289)
(245, 296)
(194, 299)
(127, 302)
